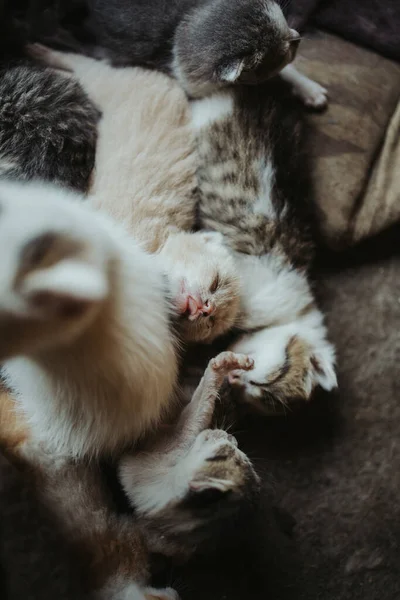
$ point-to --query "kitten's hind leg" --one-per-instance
(311, 93)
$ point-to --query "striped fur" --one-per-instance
(254, 188)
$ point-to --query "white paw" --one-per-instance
(314, 95)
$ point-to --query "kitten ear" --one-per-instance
(65, 290)
(230, 72)
(323, 366)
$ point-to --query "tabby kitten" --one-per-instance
(254, 188)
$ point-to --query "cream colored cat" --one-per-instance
(145, 177)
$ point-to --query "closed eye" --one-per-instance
(215, 284)
(258, 383)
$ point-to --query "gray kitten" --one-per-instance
(254, 188)
(205, 44)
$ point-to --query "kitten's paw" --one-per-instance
(226, 362)
(165, 594)
(314, 95)
(218, 465)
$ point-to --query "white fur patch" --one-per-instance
(121, 590)
(210, 110)
(69, 279)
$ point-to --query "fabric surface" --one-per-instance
(380, 205)
(371, 23)
(348, 141)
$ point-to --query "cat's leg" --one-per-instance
(198, 414)
(174, 483)
(290, 361)
(311, 93)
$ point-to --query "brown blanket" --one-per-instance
(371, 23)
(355, 144)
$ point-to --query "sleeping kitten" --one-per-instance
(145, 177)
(205, 44)
(254, 188)
(92, 365)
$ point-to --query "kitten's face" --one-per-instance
(287, 368)
(204, 284)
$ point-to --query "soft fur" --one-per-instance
(145, 177)
(84, 313)
(35, 560)
(205, 44)
(254, 188)
(105, 299)
(48, 125)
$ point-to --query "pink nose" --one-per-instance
(197, 308)
(206, 309)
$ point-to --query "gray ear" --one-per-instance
(231, 71)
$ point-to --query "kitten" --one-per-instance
(92, 366)
(205, 44)
(145, 177)
(254, 188)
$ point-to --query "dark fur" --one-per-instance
(266, 122)
(35, 561)
(48, 127)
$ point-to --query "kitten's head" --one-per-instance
(225, 42)
(204, 284)
(287, 369)
(54, 265)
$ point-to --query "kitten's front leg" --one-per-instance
(311, 93)
(198, 414)
(174, 483)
